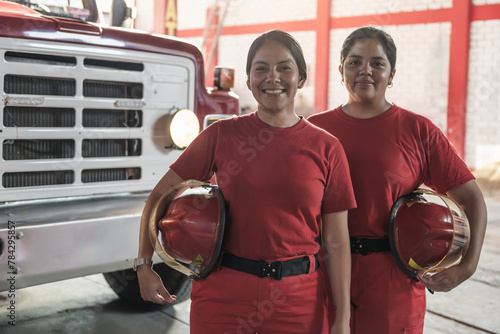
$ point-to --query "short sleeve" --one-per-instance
(446, 169)
(339, 194)
(197, 160)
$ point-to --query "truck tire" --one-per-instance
(125, 284)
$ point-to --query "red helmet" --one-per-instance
(428, 232)
(187, 226)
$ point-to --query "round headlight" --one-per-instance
(184, 128)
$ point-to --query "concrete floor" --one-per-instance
(86, 305)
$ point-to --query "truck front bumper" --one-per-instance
(51, 240)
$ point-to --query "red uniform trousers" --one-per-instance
(384, 300)
(232, 302)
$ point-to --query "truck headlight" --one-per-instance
(183, 128)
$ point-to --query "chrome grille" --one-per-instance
(38, 149)
(23, 84)
(111, 148)
(35, 117)
(78, 132)
(34, 179)
(111, 174)
(96, 118)
(123, 90)
(117, 65)
(36, 58)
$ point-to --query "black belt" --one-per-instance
(365, 246)
(274, 269)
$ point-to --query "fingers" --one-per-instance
(159, 299)
(163, 297)
(157, 295)
(441, 282)
(152, 288)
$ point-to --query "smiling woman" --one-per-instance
(283, 196)
(367, 68)
(275, 71)
(391, 152)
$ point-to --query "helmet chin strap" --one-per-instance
(171, 262)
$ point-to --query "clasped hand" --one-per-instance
(447, 279)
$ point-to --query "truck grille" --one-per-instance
(95, 118)
(38, 117)
(110, 174)
(124, 90)
(33, 179)
(111, 148)
(38, 149)
(88, 141)
(20, 84)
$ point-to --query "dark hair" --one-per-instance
(287, 40)
(370, 32)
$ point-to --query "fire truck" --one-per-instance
(91, 117)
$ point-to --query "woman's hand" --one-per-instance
(152, 288)
(447, 279)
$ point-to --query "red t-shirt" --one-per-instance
(390, 156)
(276, 181)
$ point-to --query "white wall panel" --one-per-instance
(482, 144)
(243, 12)
(485, 2)
(345, 8)
(192, 14)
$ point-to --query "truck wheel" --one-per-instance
(126, 285)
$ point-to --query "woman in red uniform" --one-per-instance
(283, 195)
(392, 151)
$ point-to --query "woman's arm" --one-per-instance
(151, 285)
(470, 197)
(338, 263)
